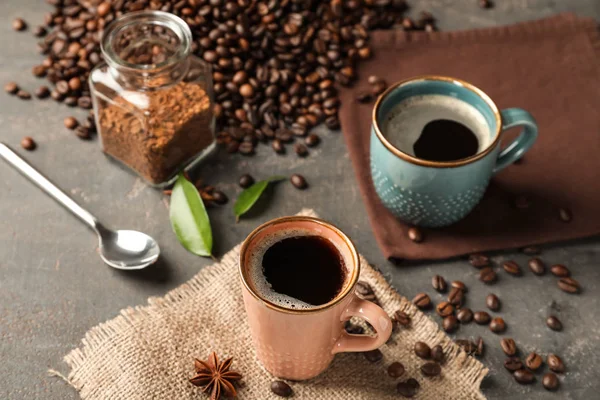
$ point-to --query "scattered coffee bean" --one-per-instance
(464, 315)
(444, 309)
(395, 369)
(39, 71)
(299, 181)
(492, 302)
(569, 285)
(402, 318)
(459, 285)
(482, 317)
(312, 140)
(554, 323)
(487, 275)
(533, 361)
(11, 88)
(70, 123)
(219, 197)
(468, 346)
(523, 376)
(246, 181)
(531, 250)
(23, 95)
(82, 132)
(565, 215)
(456, 296)
(431, 369)
(409, 388)
(422, 301)
(479, 260)
(560, 270)
(439, 283)
(555, 363)
(422, 350)
(497, 325)
(373, 355)
(39, 31)
(42, 92)
(537, 266)
(71, 101)
(19, 24)
(550, 381)
(28, 143)
(508, 346)
(353, 329)
(480, 346)
(437, 353)
(450, 324)
(364, 97)
(300, 150)
(415, 234)
(280, 388)
(513, 364)
(278, 146)
(512, 268)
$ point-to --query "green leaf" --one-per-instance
(249, 196)
(189, 218)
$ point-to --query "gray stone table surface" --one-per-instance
(54, 287)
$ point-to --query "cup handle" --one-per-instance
(375, 316)
(512, 117)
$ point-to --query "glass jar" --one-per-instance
(152, 99)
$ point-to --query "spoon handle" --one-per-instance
(40, 180)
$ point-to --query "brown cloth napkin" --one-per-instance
(147, 352)
(549, 67)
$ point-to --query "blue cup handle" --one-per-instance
(512, 117)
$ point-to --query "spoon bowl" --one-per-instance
(127, 249)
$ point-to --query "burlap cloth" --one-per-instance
(147, 352)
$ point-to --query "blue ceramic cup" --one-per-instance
(439, 193)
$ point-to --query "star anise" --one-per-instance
(215, 378)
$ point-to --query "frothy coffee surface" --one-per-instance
(296, 269)
(406, 122)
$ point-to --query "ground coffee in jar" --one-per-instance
(153, 100)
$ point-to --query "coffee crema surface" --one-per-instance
(297, 269)
(436, 128)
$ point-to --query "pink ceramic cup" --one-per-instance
(301, 343)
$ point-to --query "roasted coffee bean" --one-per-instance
(479, 260)
(70, 123)
(312, 140)
(11, 88)
(537, 266)
(23, 95)
(431, 369)
(468, 346)
(363, 288)
(459, 285)
(278, 146)
(480, 346)
(42, 92)
(415, 234)
(422, 301)
(508, 346)
(28, 143)
(482, 317)
(219, 197)
(19, 24)
(492, 302)
(246, 181)
(71, 101)
(373, 355)
(550, 381)
(298, 181)
(531, 250)
(560, 270)
(513, 364)
(569, 285)
(554, 323)
(450, 323)
(497, 325)
(512, 268)
(456, 296)
(464, 315)
(409, 388)
(82, 132)
(437, 353)
(332, 123)
(555, 363)
(353, 329)
(402, 318)
(533, 361)
(56, 96)
(444, 309)
(565, 215)
(246, 148)
(84, 102)
(281, 389)
(39, 31)
(300, 150)
(284, 135)
(523, 376)
(439, 283)
(395, 369)
(422, 350)
(487, 275)
(39, 71)
(364, 97)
